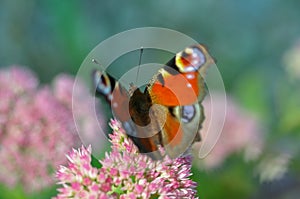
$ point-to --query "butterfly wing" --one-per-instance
(116, 95)
(180, 88)
(181, 81)
(123, 110)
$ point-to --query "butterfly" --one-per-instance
(168, 112)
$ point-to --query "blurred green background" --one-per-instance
(249, 40)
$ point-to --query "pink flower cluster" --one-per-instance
(36, 128)
(125, 173)
(241, 132)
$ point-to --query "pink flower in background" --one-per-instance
(241, 131)
(90, 123)
(125, 173)
(37, 128)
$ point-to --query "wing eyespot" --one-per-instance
(188, 113)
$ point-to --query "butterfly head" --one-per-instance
(191, 59)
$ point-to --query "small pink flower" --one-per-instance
(125, 173)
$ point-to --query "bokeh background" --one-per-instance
(257, 48)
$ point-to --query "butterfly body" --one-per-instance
(168, 112)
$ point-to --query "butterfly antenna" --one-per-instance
(140, 60)
(96, 62)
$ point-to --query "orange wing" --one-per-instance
(180, 82)
(179, 89)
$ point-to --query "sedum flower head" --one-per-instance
(125, 173)
(241, 132)
(36, 128)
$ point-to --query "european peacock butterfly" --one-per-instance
(168, 112)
